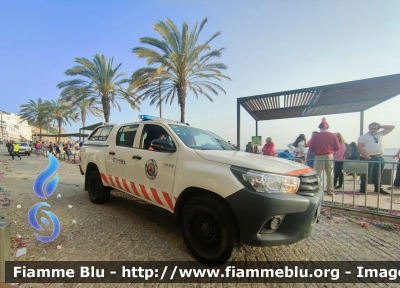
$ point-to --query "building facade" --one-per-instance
(14, 128)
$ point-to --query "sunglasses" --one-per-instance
(376, 140)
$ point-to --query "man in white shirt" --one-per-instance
(371, 148)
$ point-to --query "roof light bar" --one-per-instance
(149, 117)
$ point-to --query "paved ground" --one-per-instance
(132, 230)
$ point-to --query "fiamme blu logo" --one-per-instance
(44, 191)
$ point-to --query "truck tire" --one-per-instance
(208, 230)
(98, 193)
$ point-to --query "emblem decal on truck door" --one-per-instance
(151, 169)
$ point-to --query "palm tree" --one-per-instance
(36, 113)
(180, 64)
(62, 112)
(100, 80)
(87, 106)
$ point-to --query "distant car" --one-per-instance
(24, 148)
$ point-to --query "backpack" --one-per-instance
(349, 151)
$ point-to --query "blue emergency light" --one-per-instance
(147, 117)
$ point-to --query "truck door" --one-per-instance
(154, 171)
(119, 157)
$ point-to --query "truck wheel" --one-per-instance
(98, 193)
(208, 230)
(29, 154)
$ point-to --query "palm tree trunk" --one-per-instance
(105, 100)
(83, 117)
(40, 132)
(59, 131)
(182, 100)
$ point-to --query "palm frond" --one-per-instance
(183, 64)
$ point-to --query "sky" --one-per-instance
(271, 46)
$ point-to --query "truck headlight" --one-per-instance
(266, 182)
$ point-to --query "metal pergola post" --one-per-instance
(256, 127)
(238, 124)
(361, 123)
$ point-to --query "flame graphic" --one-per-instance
(32, 220)
(43, 176)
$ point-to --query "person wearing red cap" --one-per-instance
(323, 145)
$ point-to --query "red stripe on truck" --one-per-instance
(134, 189)
(126, 186)
(119, 185)
(168, 199)
(104, 177)
(111, 181)
(155, 195)
(299, 171)
(143, 189)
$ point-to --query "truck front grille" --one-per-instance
(308, 184)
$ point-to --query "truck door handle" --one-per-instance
(111, 153)
(136, 157)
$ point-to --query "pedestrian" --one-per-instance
(38, 147)
(51, 150)
(76, 145)
(310, 154)
(371, 148)
(65, 147)
(69, 148)
(285, 154)
(339, 155)
(298, 146)
(249, 147)
(255, 150)
(14, 150)
(396, 183)
(44, 149)
(269, 147)
(324, 144)
(58, 151)
(355, 154)
(8, 145)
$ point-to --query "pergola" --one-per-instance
(90, 128)
(62, 135)
(346, 97)
(80, 134)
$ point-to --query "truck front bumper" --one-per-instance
(253, 210)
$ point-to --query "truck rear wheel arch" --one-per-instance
(98, 193)
(90, 167)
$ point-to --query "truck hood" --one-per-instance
(255, 161)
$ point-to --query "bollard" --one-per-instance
(5, 243)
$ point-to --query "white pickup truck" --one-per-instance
(220, 197)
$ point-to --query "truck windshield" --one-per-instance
(200, 139)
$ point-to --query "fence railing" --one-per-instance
(62, 155)
(356, 200)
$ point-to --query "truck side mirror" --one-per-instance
(164, 145)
